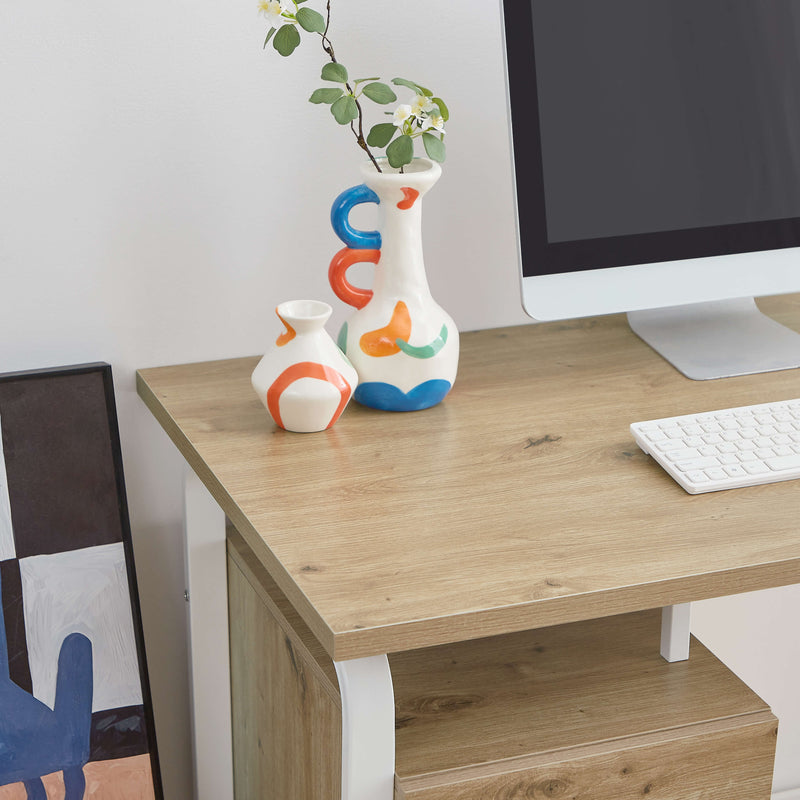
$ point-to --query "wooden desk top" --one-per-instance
(520, 502)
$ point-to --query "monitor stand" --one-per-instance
(721, 339)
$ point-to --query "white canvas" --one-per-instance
(83, 591)
(7, 549)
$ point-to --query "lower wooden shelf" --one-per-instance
(584, 711)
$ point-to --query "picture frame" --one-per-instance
(76, 715)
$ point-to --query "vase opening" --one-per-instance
(310, 310)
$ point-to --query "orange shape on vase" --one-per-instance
(287, 335)
(307, 369)
(409, 197)
(383, 342)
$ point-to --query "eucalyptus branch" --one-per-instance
(423, 119)
(327, 46)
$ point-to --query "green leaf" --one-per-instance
(362, 80)
(345, 109)
(381, 134)
(286, 39)
(310, 20)
(269, 36)
(325, 96)
(334, 72)
(443, 110)
(401, 151)
(434, 147)
(380, 93)
(413, 86)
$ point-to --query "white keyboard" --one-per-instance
(726, 449)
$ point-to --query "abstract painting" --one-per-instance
(75, 711)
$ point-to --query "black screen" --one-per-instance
(654, 129)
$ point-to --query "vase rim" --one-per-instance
(418, 167)
(311, 310)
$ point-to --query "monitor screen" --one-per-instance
(654, 134)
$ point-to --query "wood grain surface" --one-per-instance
(584, 710)
(525, 699)
(286, 721)
(520, 502)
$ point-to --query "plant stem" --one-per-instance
(358, 132)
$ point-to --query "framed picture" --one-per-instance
(75, 710)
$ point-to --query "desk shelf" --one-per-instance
(583, 710)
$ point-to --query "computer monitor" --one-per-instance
(656, 149)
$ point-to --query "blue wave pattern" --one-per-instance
(386, 397)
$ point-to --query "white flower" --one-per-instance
(401, 114)
(421, 105)
(273, 11)
(434, 121)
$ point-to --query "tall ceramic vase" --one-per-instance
(304, 380)
(403, 345)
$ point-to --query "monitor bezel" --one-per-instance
(596, 264)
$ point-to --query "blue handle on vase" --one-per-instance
(340, 218)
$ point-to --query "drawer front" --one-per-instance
(733, 763)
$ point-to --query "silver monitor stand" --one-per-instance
(720, 339)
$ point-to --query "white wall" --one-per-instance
(164, 184)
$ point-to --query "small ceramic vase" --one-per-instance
(402, 343)
(304, 381)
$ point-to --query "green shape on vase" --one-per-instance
(426, 351)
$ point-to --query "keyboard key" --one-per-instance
(684, 454)
(755, 467)
(698, 476)
(696, 463)
(784, 462)
(734, 470)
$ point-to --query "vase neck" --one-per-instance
(401, 269)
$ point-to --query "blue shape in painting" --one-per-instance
(389, 398)
(35, 741)
(340, 218)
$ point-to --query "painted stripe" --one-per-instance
(307, 369)
(428, 350)
(409, 198)
(287, 335)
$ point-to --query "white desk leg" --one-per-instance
(675, 632)
(209, 654)
(365, 685)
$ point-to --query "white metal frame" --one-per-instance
(365, 685)
(209, 655)
(675, 632)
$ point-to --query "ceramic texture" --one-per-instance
(403, 345)
(304, 381)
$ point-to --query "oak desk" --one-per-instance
(520, 502)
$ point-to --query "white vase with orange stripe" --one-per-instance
(304, 381)
(402, 343)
